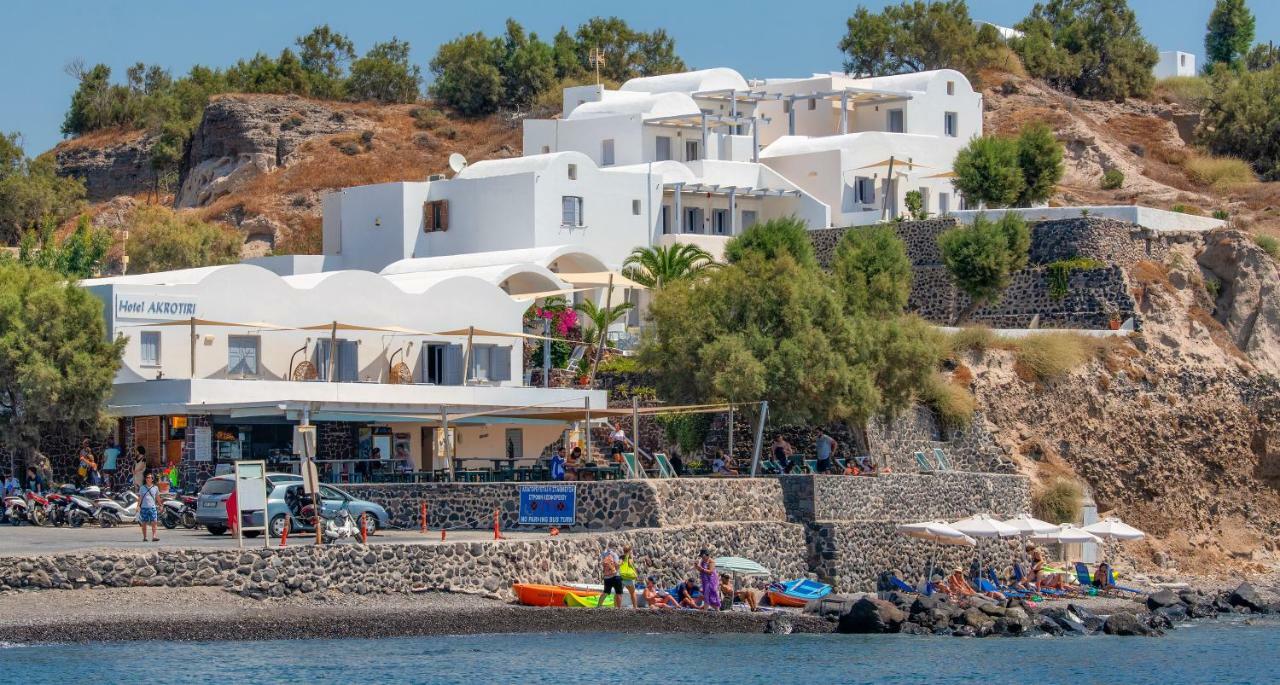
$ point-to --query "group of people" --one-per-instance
(1034, 578)
(826, 449)
(708, 591)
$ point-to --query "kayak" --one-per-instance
(592, 590)
(797, 593)
(534, 595)
(589, 601)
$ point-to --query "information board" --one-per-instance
(548, 505)
(204, 443)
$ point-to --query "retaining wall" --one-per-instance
(851, 555)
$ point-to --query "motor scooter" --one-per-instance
(123, 508)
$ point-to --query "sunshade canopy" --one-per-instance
(1114, 529)
(1067, 534)
(1028, 525)
(983, 526)
(896, 162)
(598, 278)
(345, 326)
(209, 322)
(936, 531)
(740, 566)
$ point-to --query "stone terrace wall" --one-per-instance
(909, 497)
(972, 448)
(602, 505)
(477, 568)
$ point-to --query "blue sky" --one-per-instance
(758, 38)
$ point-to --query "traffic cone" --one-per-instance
(554, 531)
(424, 518)
(284, 537)
(364, 530)
(442, 533)
(497, 527)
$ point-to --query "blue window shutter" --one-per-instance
(501, 366)
(453, 365)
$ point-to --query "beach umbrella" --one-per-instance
(1029, 526)
(1067, 534)
(740, 566)
(934, 531)
(984, 526)
(1112, 528)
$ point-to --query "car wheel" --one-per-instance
(278, 525)
(215, 529)
(370, 524)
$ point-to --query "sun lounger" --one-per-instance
(1086, 580)
(1118, 587)
(811, 465)
(633, 466)
(923, 463)
(943, 463)
(665, 469)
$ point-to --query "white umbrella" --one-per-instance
(1114, 529)
(1029, 526)
(740, 566)
(935, 531)
(983, 526)
(1067, 534)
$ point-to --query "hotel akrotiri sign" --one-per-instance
(154, 307)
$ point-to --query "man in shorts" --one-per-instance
(611, 576)
(148, 499)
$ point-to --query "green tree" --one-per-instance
(916, 36)
(325, 54)
(914, 201)
(655, 267)
(161, 239)
(1040, 159)
(528, 66)
(1263, 56)
(56, 362)
(1094, 48)
(468, 77)
(987, 170)
(598, 318)
(262, 74)
(565, 55)
(385, 75)
(1241, 118)
(983, 258)
(771, 239)
(31, 192)
(1229, 33)
(79, 255)
(627, 53)
(872, 272)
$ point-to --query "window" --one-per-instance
(664, 218)
(944, 203)
(1182, 60)
(491, 363)
(951, 87)
(786, 106)
(346, 366)
(242, 356)
(435, 216)
(606, 152)
(693, 220)
(442, 364)
(635, 207)
(866, 190)
(546, 149)
(720, 221)
(691, 151)
(571, 210)
(949, 124)
(573, 172)
(813, 103)
(515, 443)
(749, 218)
(895, 121)
(662, 152)
(150, 348)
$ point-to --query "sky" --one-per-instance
(759, 39)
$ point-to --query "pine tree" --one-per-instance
(1229, 33)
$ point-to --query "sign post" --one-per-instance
(306, 434)
(251, 499)
(548, 505)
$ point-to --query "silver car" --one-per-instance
(211, 505)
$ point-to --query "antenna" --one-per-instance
(596, 58)
(457, 162)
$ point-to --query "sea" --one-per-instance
(1231, 650)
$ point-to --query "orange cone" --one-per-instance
(284, 537)
(497, 527)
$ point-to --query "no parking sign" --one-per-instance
(548, 505)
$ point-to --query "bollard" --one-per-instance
(442, 533)
(497, 527)
(424, 518)
(364, 530)
(284, 537)
(554, 531)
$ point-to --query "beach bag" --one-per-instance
(627, 571)
(82, 471)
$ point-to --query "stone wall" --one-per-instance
(904, 498)
(971, 448)
(851, 555)
(470, 567)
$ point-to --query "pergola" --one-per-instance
(678, 188)
(849, 95)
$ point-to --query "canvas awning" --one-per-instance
(208, 322)
(342, 326)
(896, 161)
(486, 333)
(598, 278)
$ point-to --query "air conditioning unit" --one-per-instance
(436, 177)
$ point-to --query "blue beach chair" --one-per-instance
(923, 463)
(943, 463)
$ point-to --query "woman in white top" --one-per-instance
(619, 440)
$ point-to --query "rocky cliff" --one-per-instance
(111, 163)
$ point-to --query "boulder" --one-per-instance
(831, 606)
(1125, 623)
(1245, 596)
(964, 631)
(910, 628)
(1066, 620)
(1018, 620)
(1163, 598)
(1175, 613)
(1048, 626)
(869, 615)
(981, 623)
(991, 609)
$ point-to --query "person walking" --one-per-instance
(139, 465)
(627, 572)
(88, 466)
(825, 447)
(618, 440)
(610, 575)
(710, 580)
(148, 496)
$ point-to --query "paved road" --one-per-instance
(31, 540)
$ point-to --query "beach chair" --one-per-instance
(923, 463)
(770, 466)
(811, 465)
(1118, 587)
(901, 585)
(633, 465)
(665, 469)
(943, 463)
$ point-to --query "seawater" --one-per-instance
(1226, 651)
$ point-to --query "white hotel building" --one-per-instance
(373, 342)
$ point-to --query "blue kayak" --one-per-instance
(797, 593)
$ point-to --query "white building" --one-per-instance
(696, 156)
(1175, 63)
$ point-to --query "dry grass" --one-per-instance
(1222, 174)
(1050, 356)
(962, 375)
(106, 137)
(1150, 275)
(1188, 91)
(955, 404)
(1058, 502)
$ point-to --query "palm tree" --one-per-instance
(599, 318)
(655, 267)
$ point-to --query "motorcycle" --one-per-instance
(55, 508)
(16, 509)
(178, 510)
(82, 506)
(115, 511)
(340, 525)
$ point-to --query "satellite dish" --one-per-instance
(457, 162)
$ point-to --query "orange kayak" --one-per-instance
(780, 600)
(534, 595)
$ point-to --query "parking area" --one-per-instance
(44, 540)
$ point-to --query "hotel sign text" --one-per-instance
(153, 307)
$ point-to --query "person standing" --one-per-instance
(710, 580)
(782, 452)
(825, 447)
(88, 466)
(618, 439)
(610, 575)
(148, 496)
(557, 464)
(627, 572)
(139, 465)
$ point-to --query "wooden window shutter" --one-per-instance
(428, 216)
(444, 214)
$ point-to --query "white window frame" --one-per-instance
(257, 356)
(657, 148)
(951, 124)
(574, 201)
(142, 346)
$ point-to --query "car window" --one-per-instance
(327, 492)
(217, 486)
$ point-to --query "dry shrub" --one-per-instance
(963, 375)
(1169, 154)
(1220, 173)
(977, 339)
(1058, 502)
(1151, 274)
(1050, 356)
(954, 404)
(1189, 91)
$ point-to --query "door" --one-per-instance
(345, 367)
(693, 220)
(896, 121)
(720, 221)
(515, 443)
(427, 436)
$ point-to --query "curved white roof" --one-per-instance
(518, 278)
(877, 144)
(717, 78)
(670, 170)
(916, 81)
(521, 165)
(541, 256)
(175, 277)
(647, 105)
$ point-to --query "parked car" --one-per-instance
(289, 498)
(211, 506)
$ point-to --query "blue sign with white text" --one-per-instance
(548, 505)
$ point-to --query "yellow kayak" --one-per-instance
(588, 601)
